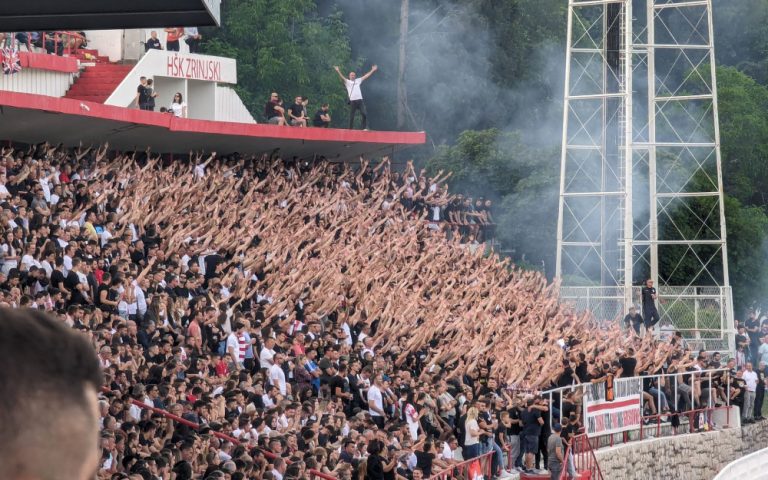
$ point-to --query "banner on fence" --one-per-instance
(612, 406)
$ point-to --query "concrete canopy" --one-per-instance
(51, 15)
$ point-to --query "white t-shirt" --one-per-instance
(266, 357)
(468, 438)
(234, 345)
(277, 377)
(353, 88)
(375, 394)
(751, 379)
(178, 108)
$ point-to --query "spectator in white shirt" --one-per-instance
(277, 376)
(750, 377)
(376, 401)
(267, 354)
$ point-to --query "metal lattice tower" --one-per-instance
(641, 190)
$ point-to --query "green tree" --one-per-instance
(283, 46)
(522, 180)
(743, 105)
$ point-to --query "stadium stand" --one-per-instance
(319, 313)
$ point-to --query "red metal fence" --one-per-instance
(473, 469)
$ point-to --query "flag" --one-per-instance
(10, 60)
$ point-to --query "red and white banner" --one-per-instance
(615, 405)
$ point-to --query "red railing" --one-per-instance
(580, 458)
(468, 469)
(222, 436)
(57, 37)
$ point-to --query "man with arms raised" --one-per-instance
(49, 418)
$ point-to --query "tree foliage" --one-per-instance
(484, 80)
(284, 46)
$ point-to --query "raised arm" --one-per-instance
(336, 67)
(373, 69)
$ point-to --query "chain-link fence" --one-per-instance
(702, 314)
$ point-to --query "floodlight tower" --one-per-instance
(641, 188)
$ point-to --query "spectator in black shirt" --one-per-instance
(650, 314)
(297, 113)
(532, 423)
(322, 117)
(513, 433)
(633, 318)
(375, 463)
(142, 94)
(153, 43)
(628, 363)
(753, 332)
(274, 111)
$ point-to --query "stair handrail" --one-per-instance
(584, 458)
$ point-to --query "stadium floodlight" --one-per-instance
(641, 188)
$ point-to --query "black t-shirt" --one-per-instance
(211, 262)
(143, 94)
(628, 365)
(375, 468)
(269, 109)
(57, 278)
(582, 372)
(531, 426)
(754, 337)
(515, 428)
(424, 462)
(648, 302)
(152, 43)
(484, 417)
(566, 378)
(71, 282)
(297, 109)
(336, 382)
(102, 288)
(569, 431)
(318, 119)
(568, 408)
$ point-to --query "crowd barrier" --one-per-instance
(474, 469)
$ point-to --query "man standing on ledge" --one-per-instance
(355, 95)
(650, 314)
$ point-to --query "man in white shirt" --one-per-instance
(277, 376)
(355, 95)
(267, 354)
(376, 402)
(750, 377)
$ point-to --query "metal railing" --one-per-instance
(58, 37)
(685, 398)
(579, 457)
(471, 469)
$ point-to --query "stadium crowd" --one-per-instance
(316, 312)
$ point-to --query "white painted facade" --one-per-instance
(198, 78)
(229, 106)
(40, 82)
(126, 44)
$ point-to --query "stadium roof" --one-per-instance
(29, 118)
(38, 15)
